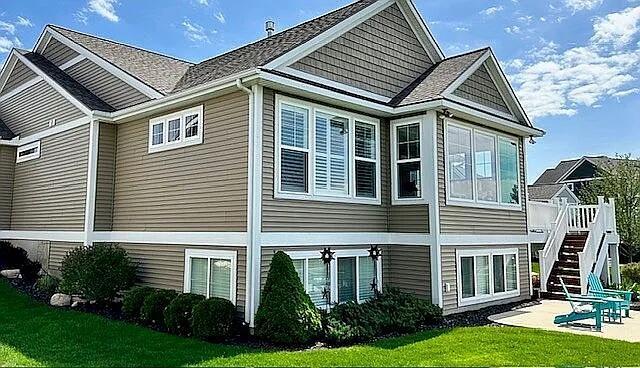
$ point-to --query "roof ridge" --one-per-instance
(121, 43)
(466, 53)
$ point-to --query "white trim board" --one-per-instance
(63, 236)
(51, 131)
(478, 239)
(277, 239)
(232, 239)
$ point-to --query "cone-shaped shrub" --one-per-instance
(286, 314)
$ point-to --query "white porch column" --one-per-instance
(92, 172)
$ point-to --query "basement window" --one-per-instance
(487, 274)
(211, 273)
(28, 152)
(177, 130)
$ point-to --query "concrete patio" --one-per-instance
(541, 316)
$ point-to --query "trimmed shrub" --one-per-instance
(152, 310)
(133, 300)
(178, 315)
(11, 257)
(390, 312)
(30, 271)
(631, 273)
(286, 314)
(97, 272)
(47, 284)
(213, 319)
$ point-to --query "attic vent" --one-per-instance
(51, 123)
(270, 27)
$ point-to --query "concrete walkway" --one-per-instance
(541, 316)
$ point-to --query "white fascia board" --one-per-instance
(277, 239)
(236, 239)
(506, 88)
(53, 84)
(121, 74)
(63, 236)
(479, 239)
(7, 68)
(329, 35)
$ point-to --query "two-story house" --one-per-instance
(348, 131)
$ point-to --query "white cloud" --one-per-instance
(492, 10)
(577, 5)
(81, 16)
(203, 2)
(513, 30)
(617, 29)
(24, 22)
(6, 44)
(104, 8)
(626, 92)
(462, 29)
(526, 19)
(194, 32)
(7, 27)
(220, 17)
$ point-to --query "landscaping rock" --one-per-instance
(60, 300)
(77, 301)
(10, 274)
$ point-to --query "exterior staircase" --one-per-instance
(567, 267)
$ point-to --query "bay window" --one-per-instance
(210, 273)
(325, 154)
(180, 129)
(485, 275)
(351, 276)
(482, 167)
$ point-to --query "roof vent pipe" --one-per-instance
(270, 27)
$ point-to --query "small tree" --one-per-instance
(621, 181)
(286, 314)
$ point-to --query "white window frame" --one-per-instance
(492, 296)
(475, 202)
(395, 199)
(311, 193)
(31, 156)
(211, 254)
(183, 141)
(333, 270)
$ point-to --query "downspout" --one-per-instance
(253, 256)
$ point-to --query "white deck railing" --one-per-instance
(541, 215)
(581, 216)
(596, 249)
(549, 254)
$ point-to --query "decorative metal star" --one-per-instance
(374, 285)
(327, 255)
(375, 252)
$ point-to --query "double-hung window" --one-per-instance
(326, 154)
(482, 167)
(406, 155)
(211, 273)
(180, 129)
(485, 275)
(352, 276)
(28, 152)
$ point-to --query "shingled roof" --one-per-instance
(544, 192)
(77, 90)
(437, 79)
(5, 132)
(158, 71)
(261, 52)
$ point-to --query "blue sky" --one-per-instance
(574, 64)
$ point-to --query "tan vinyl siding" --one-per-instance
(29, 111)
(7, 165)
(57, 252)
(381, 55)
(105, 85)
(20, 74)
(470, 220)
(106, 177)
(49, 192)
(404, 267)
(196, 188)
(162, 266)
(479, 87)
(58, 53)
(409, 219)
(449, 275)
(296, 215)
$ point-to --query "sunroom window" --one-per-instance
(482, 167)
(326, 154)
(486, 275)
(180, 129)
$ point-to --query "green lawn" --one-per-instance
(33, 334)
(535, 267)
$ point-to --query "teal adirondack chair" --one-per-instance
(597, 290)
(584, 308)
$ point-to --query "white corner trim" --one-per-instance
(276, 239)
(230, 255)
(479, 239)
(121, 74)
(63, 236)
(329, 35)
(53, 84)
(338, 85)
(20, 88)
(92, 173)
(231, 239)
